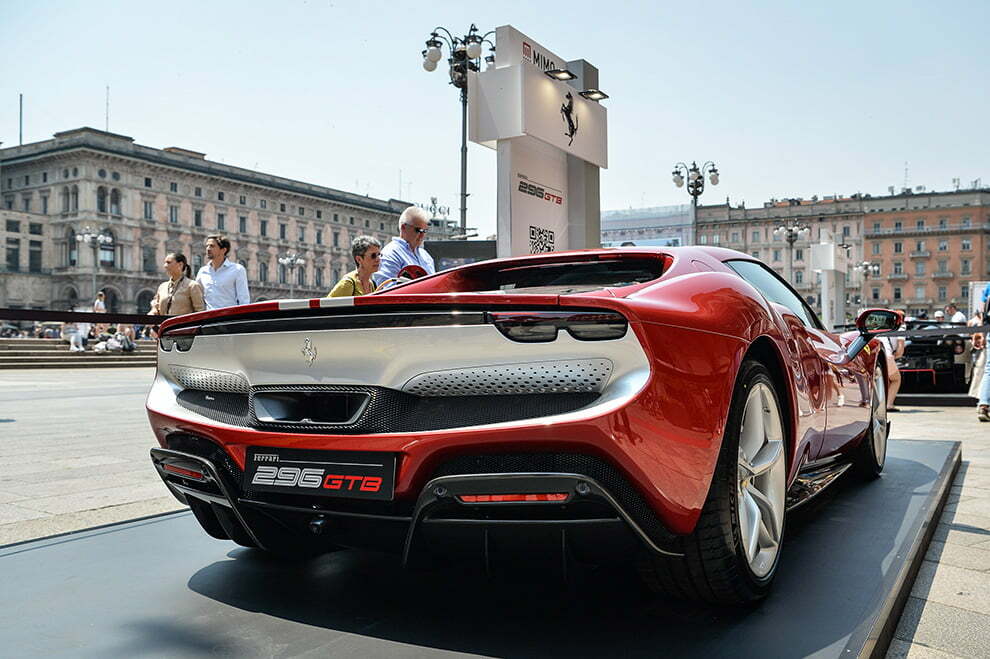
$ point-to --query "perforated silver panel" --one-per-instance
(205, 379)
(565, 376)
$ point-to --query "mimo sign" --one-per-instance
(551, 142)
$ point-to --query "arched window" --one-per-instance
(108, 252)
(262, 271)
(70, 298)
(65, 200)
(282, 274)
(71, 247)
(144, 299)
(115, 202)
(74, 194)
(112, 299)
(101, 199)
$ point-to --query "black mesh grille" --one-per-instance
(389, 410)
(228, 408)
(570, 463)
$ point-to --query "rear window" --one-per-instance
(574, 277)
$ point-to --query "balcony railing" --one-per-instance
(923, 254)
(873, 233)
(943, 275)
(897, 275)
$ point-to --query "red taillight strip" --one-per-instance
(512, 498)
(188, 473)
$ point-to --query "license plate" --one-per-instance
(349, 474)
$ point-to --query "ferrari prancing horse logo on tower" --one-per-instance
(567, 114)
(309, 351)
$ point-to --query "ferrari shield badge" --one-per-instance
(309, 351)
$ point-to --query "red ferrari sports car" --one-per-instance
(660, 405)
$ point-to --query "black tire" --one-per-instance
(871, 454)
(714, 567)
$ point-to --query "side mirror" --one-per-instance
(877, 321)
(870, 323)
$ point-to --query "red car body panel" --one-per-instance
(696, 324)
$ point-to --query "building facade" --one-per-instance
(923, 249)
(926, 248)
(751, 230)
(148, 202)
(660, 225)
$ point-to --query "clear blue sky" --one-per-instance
(789, 99)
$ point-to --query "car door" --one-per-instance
(800, 330)
(849, 407)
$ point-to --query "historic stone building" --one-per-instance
(147, 202)
(659, 225)
(751, 230)
(923, 249)
(926, 248)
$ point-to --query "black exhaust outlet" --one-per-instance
(317, 524)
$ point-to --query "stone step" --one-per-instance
(94, 357)
(21, 354)
(33, 344)
(76, 363)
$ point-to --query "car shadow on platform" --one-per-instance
(838, 551)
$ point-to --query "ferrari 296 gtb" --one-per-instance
(659, 405)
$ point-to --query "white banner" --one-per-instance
(538, 198)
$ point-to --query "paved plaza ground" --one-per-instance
(74, 454)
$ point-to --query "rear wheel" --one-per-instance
(872, 451)
(732, 555)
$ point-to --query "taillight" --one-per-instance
(181, 337)
(542, 326)
(182, 471)
(550, 497)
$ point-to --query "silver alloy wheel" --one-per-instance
(879, 416)
(761, 479)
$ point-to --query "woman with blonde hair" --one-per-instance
(367, 253)
(179, 295)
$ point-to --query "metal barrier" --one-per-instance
(80, 317)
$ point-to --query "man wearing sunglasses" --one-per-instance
(407, 248)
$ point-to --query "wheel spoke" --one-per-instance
(766, 458)
(751, 534)
(753, 432)
(768, 512)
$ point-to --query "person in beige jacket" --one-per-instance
(180, 294)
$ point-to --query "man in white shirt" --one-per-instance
(954, 315)
(407, 248)
(224, 282)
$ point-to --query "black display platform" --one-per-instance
(161, 587)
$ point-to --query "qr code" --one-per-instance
(540, 240)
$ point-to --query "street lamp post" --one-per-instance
(292, 261)
(465, 55)
(95, 240)
(696, 184)
(791, 233)
(864, 269)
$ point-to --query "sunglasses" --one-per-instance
(418, 230)
(375, 255)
